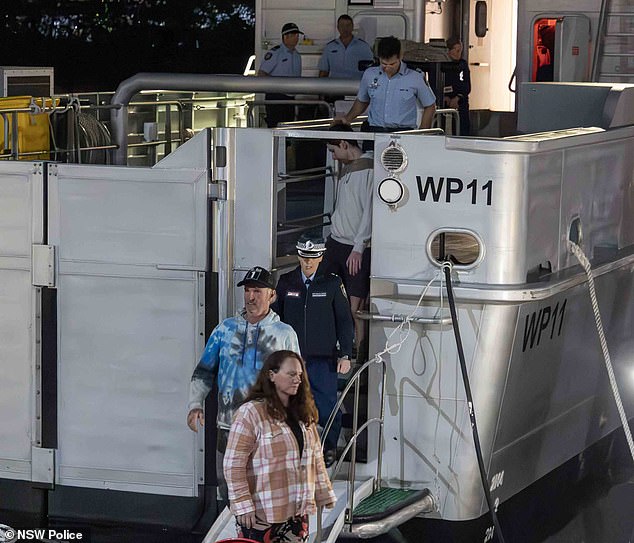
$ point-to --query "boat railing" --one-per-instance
(357, 430)
(255, 103)
(297, 225)
(448, 119)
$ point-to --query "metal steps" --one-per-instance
(385, 509)
(614, 58)
(376, 513)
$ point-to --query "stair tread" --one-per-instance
(384, 502)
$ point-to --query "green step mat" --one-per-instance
(385, 502)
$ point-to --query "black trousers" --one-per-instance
(279, 114)
(366, 127)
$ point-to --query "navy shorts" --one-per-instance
(335, 262)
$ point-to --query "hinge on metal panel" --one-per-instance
(217, 190)
(42, 465)
(43, 265)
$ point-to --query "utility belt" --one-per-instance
(367, 127)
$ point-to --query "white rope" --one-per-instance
(403, 329)
(437, 487)
(577, 251)
(406, 323)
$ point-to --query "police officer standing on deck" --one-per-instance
(316, 306)
(393, 92)
(282, 61)
(341, 56)
(458, 84)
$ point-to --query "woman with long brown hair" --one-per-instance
(274, 465)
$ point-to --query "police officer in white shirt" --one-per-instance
(282, 61)
(392, 91)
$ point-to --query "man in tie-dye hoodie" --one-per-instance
(233, 357)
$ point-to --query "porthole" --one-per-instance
(461, 247)
(391, 191)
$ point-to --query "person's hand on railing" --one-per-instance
(247, 520)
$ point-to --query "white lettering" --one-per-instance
(497, 481)
(31, 534)
(65, 534)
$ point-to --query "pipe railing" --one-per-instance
(252, 104)
(357, 431)
(216, 83)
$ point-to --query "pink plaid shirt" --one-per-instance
(264, 471)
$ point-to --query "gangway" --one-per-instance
(379, 508)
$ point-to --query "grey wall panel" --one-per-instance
(126, 351)
(130, 216)
(21, 207)
(131, 255)
(16, 352)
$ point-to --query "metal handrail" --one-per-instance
(300, 219)
(367, 316)
(325, 170)
(447, 112)
(356, 431)
(252, 104)
(289, 180)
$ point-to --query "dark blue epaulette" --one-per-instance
(332, 41)
(274, 48)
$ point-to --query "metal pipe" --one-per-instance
(318, 169)
(6, 122)
(352, 468)
(218, 83)
(598, 41)
(379, 459)
(150, 143)
(168, 129)
(298, 229)
(418, 32)
(302, 219)
(14, 135)
(287, 180)
(252, 103)
(367, 316)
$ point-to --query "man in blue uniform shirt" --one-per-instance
(393, 91)
(282, 61)
(316, 306)
(342, 55)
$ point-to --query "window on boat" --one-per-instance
(461, 247)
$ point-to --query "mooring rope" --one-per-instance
(585, 263)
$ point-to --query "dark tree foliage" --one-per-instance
(95, 44)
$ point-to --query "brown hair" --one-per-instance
(301, 406)
(454, 40)
(341, 127)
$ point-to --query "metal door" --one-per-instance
(572, 48)
(131, 248)
(21, 212)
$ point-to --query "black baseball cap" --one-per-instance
(290, 28)
(258, 276)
